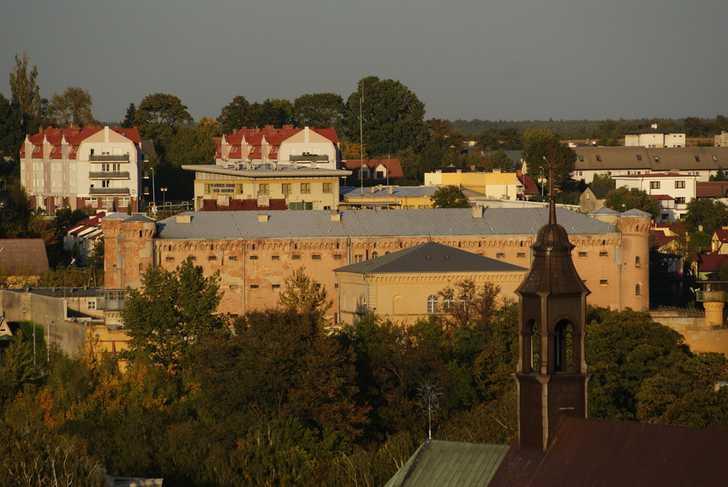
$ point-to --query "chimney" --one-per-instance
(477, 211)
(335, 216)
(263, 218)
(183, 218)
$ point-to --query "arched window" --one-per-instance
(374, 255)
(535, 346)
(564, 356)
(637, 290)
(431, 304)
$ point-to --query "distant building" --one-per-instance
(719, 241)
(590, 201)
(492, 185)
(673, 190)
(246, 148)
(22, 261)
(721, 140)
(403, 286)
(393, 197)
(373, 171)
(624, 161)
(82, 239)
(78, 168)
(655, 140)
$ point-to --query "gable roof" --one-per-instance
(722, 235)
(711, 262)
(441, 463)
(683, 158)
(711, 189)
(23, 257)
(588, 452)
(430, 257)
(375, 223)
(394, 167)
(529, 185)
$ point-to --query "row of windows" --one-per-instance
(656, 184)
(170, 258)
(263, 189)
(598, 157)
(584, 253)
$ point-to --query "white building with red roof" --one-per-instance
(77, 168)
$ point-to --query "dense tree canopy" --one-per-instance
(159, 117)
(449, 197)
(73, 106)
(236, 114)
(129, 116)
(11, 129)
(541, 147)
(706, 213)
(194, 144)
(319, 110)
(25, 92)
(623, 199)
(393, 117)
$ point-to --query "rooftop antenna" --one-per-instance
(552, 201)
(361, 138)
(430, 400)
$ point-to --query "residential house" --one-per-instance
(373, 171)
(490, 185)
(717, 190)
(719, 241)
(81, 240)
(404, 286)
(624, 161)
(673, 190)
(78, 168)
(590, 201)
(707, 266)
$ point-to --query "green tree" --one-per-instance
(319, 110)
(158, 117)
(542, 147)
(73, 106)
(623, 199)
(601, 185)
(193, 144)
(449, 197)
(237, 114)
(25, 92)
(706, 213)
(393, 117)
(171, 312)
(11, 129)
(15, 211)
(273, 111)
(129, 116)
(497, 160)
(303, 295)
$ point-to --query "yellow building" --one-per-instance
(404, 286)
(271, 186)
(492, 185)
(390, 197)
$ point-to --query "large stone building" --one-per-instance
(255, 252)
(90, 167)
(625, 161)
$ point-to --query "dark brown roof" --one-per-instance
(430, 257)
(393, 165)
(23, 257)
(683, 158)
(712, 189)
(588, 452)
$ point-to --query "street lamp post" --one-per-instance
(163, 189)
(154, 191)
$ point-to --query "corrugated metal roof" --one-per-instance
(374, 223)
(430, 257)
(448, 463)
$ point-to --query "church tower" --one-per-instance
(551, 373)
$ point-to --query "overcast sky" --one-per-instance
(489, 59)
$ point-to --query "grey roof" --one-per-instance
(682, 158)
(637, 212)
(430, 257)
(136, 217)
(280, 171)
(605, 211)
(373, 223)
(444, 463)
(390, 191)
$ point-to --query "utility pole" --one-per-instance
(361, 139)
(48, 343)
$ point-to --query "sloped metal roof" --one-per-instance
(430, 257)
(448, 463)
(373, 223)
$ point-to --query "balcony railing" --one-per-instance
(109, 191)
(109, 158)
(108, 175)
(309, 158)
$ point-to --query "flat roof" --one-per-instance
(219, 225)
(282, 171)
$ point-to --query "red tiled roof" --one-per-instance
(130, 133)
(394, 168)
(658, 239)
(267, 135)
(73, 136)
(712, 189)
(329, 133)
(662, 197)
(529, 185)
(711, 262)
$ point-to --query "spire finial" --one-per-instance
(552, 201)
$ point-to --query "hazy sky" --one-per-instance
(491, 59)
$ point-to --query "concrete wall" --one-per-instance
(698, 336)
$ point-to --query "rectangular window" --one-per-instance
(253, 286)
(680, 200)
(327, 188)
(654, 184)
(679, 184)
(358, 258)
(212, 257)
(337, 256)
(500, 255)
(582, 253)
(92, 305)
(233, 257)
(295, 257)
(263, 189)
(521, 255)
(169, 258)
(603, 253)
(603, 282)
(275, 257)
(286, 189)
(276, 286)
(316, 257)
(305, 188)
(637, 261)
(253, 257)
(105, 183)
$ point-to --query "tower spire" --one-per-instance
(552, 201)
